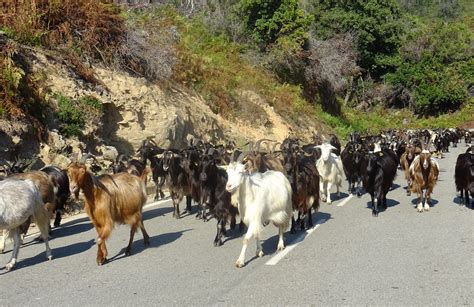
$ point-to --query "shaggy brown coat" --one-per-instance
(424, 173)
(110, 199)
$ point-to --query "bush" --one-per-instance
(150, 43)
(73, 114)
(92, 28)
(375, 24)
(269, 21)
(436, 67)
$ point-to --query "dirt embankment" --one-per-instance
(133, 110)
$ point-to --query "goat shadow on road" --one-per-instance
(390, 203)
(433, 203)
(58, 252)
(83, 224)
(457, 201)
(269, 246)
(160, 211)
(155, 241)
(71, 228)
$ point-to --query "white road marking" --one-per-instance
(275, 259)
(345, 201)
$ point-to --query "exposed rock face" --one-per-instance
(133, 110)
(17, 139)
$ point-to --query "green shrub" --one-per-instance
(436, 66)
(73, 114)
(376, 24)
(269, 21)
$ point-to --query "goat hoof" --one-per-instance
(280, 247)
(259, 254)
(239, 263)
(101, 261)
(9, 266)
(427, 207)
(419, 208)
(146, 242)
(375, 213)
(50, 257)
(218, 243)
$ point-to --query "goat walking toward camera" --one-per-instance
(261, 198)
(424, 172)
(110, 199)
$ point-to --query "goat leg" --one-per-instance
(310, 219)
(188, 204)
(420, 199)
(241, 260)
(233, 222)
(146, 237)
(427, 199)
(16, 249)
(57, 220)
(128, 250)
(220, 226)
(293, 230)
(2, 241)
(375, 211)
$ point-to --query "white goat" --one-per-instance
(20, 199)
(261, 198)
(330, 170)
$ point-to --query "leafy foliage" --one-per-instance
(437, 67)
(73, 114)
(376, 25)
(269, 21)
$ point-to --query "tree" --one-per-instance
(376, 25)
(436, 67)
(270, 20)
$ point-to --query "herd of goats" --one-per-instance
(258, 185)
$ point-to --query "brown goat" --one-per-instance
(47, 186)
(406, 159)
(110, 199)
(424, 173)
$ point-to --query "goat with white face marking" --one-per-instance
(261, 198)
(424, 172)
(330, 171)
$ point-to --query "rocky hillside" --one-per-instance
(133, 109)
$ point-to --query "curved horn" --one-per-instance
(259, 142)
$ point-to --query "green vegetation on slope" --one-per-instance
(298, 56)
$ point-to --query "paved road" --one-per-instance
(401, 257)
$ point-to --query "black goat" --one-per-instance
(223, 208)
(208, 177)
(464, 176)
(148, 151)
(63, 192)
(133, 166)
(192, 166)
(352, 157)
(177, 180)
(334, 141)
(380, 170)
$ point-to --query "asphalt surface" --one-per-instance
(401, 257)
